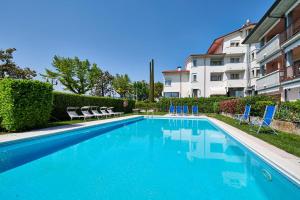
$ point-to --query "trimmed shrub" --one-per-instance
(24, 104)
(289, 111)
(216, 107)
(259, 108)
(63, 100)
(147, 105)
(205, 105)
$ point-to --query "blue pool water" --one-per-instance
(143, 159)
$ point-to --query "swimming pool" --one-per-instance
(139, 159)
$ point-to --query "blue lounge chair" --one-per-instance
(185, 109)
(172, 110)
(245, 116)
(267, 119)
(178, 110)
(195, 110)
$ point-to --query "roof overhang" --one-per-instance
(275, 12)
(175, 71)
(219, 41)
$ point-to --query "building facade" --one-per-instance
(255, 59)
(224, 70)
(278, 56)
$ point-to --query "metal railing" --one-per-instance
(291, 72)
(270, 80)
(290, 31)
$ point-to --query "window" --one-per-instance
(171, 94)
(257, 73)
(195, 93)
(253, 73)
(194, 63)
(215, 77)
(234, 43)
(252, 56)
(194, 77)
(235, 60)
(234, 76)
(168, 82)
(216, 62)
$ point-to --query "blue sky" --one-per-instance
(120, 35)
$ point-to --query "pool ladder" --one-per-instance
(266, 174)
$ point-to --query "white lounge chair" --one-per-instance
(103, 111)
(110, 110)
(86, 113)
(73, 114)
(94, 110)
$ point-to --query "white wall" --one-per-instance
(175, 83)
(203, 70)
(293, 94)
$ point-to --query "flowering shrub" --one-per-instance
(232, 106)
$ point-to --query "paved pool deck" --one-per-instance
(57, 129)
(283, 161)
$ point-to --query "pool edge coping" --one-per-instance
(14, 137)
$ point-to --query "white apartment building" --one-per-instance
(278, 57)
(228, 68)
(255, 59)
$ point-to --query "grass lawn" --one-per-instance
(286, 141)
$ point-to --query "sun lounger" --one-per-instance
(86, 113)
(267, 119)
(245, 116)
(73, 114)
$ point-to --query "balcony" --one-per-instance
(291, 72)
(235, 50)
(269, 49)
(270, 80)
(236, 83)
(236, 67)
(290, 31)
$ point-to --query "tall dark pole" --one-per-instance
(151, 82)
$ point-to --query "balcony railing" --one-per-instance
(270, 80)
(235, 66)
(269, 48)
(235, 50)
(290, 31)
(291, 72)
(236, 83)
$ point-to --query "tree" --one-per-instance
(103, 85)
(78, 76)
(8, 68)
(141, 90)
(122, 85)
(158, 88)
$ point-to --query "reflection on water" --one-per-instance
(201, 140)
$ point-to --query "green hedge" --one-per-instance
(24, 104)
(63, 100)
(205, 105)
(289, 111)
